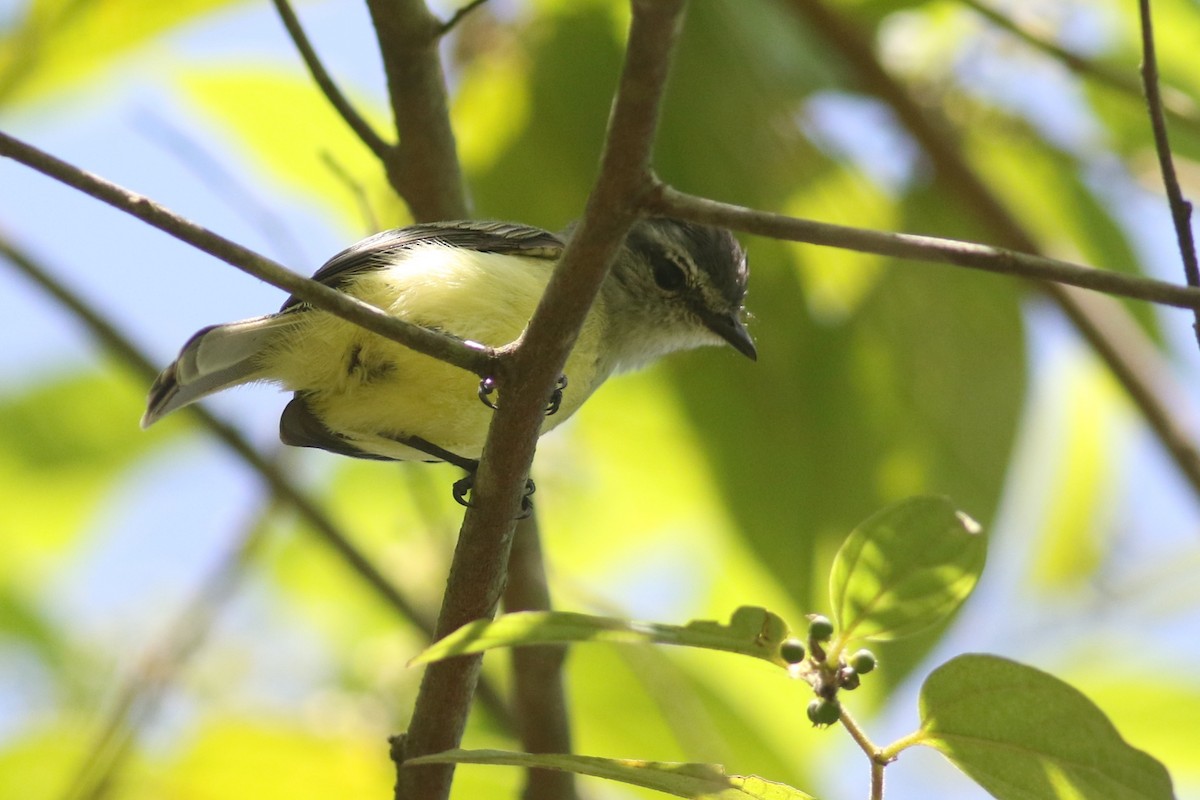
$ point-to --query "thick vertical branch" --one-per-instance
(477, 574)
(539, 699)
(424, 167)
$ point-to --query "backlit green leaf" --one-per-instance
(62, 42)
(751, 631)
(908, 567)
(1022, 733)
(679, 779)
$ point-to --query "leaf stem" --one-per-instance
(879, 758)
(893, 750)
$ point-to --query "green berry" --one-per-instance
(820, 629)
(848, 679)
(863, 661)
(822, 713)
(792, 651)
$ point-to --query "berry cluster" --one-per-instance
(827, 675)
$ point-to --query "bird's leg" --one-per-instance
(462, 487)
(487, 388)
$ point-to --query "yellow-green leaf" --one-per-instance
(701, 781)
(1022, 733)
(751, 632)
(908, 567)
(60, 43)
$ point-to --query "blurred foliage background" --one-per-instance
(166, 630)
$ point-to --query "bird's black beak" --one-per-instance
(730, 328)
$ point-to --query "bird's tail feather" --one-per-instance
(215, 358)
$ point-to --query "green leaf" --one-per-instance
(906, 568)
(679, 779)
(1022, 733)
(751, 632)
(61, 43)
(63, 443)
(320, 157)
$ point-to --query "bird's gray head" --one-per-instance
(677, 285)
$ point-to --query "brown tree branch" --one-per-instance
(667, 201)
(471, 357)
(424, 167)
(280, 485)
(382, 150)
(539, 699)
(1181, 209)
(477, 575)
(1105, 325)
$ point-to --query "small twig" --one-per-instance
(193, 156)
(668, 201)
(370, 221)
(539, 699)
(1182, 112)
(474, 358)
(357, 123)
(1181, 209)
(141, 692)
(459, 15)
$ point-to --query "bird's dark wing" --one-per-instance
(299, 427)
(485, 237)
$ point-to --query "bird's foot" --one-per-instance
(487, 387)
(556, 396)
(463, 487)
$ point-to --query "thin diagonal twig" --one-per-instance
(357, 123)
(1181, 209)
(459, 15)
(1179, 110)
(281, 486)
(140, 694)
(667, 201)
(472, 357)
(1107, 327)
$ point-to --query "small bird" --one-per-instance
(674, 286)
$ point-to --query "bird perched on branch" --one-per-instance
(673, 286)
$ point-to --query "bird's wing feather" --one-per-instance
(300, 427)
(485, 237)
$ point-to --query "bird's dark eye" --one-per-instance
(667, 274)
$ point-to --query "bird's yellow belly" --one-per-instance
(375, 392)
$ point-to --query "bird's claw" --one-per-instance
(556, 396)
(464, 485)
(487, 387)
